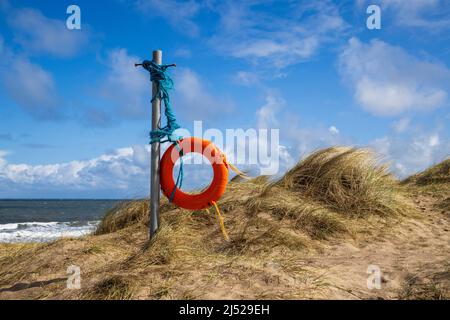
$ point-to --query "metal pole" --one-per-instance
(155, 156)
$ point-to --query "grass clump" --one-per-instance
(437, 174)
(111, 288)
(444, 204)
(299, 213)
(345, 180)
(169, 243)
(128, 213)
(122, 215)
(435, 286)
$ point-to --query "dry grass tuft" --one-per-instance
(444, 204)
(9, 254)
(299, 213)
(170, 243)
(346, 180)
(122, 215)
(128, 213)
(432, 184)
(435, 286)
(111, 288)
(437, 174)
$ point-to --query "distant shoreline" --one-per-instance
(44, 220)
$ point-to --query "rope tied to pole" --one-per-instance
(179, 181)
(164, 83)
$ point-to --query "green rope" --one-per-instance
(164, 83)
(179, 181)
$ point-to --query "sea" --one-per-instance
(47, 220)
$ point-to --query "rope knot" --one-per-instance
(164, 83)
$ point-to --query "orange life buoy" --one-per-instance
(215, 189)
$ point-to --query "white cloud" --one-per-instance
(256, 30)
(248, 30)
(267, 115)
(301, 141)
(434, 140)
(179, 14)
(125, 169)
(128, 89)
(401, 125)
(411, 154)
(246, 78)
(19, 75)
(29, 84)
(183, 53)
(3, 154)
(308, 139)
(297, 140)
(333, 130)
(387, 81)
(24, 76)
(39, 34)
(192, 99)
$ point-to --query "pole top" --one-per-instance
(157, 56)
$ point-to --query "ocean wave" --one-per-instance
(44, 231)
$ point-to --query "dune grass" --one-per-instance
(437, 174)
(123, 215)
(346, 180)
(428, 286)
(112, 288)
(433, 183)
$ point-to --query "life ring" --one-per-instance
(215, 189)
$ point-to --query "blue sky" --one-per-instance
(75, 112)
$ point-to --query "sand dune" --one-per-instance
(314, 233)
